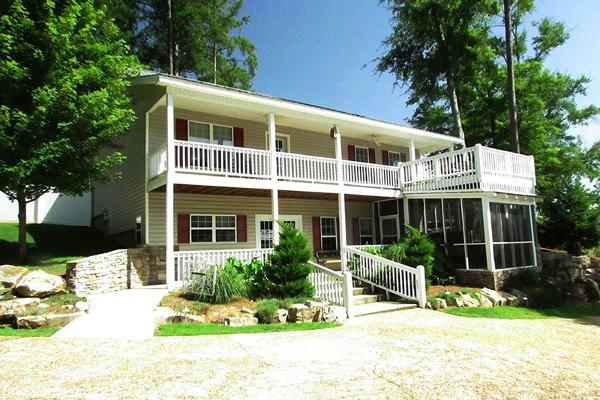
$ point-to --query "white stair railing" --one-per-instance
(329, 285)
(393, 277)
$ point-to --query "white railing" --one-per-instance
(299, 167)
(222, 160)
(157, 161)
(329, 285)
(393, 277)
(187, 262)
(373, 175)
(504, 171)
(453, 171)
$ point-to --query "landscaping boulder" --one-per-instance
(10, 308)
(280, 316)
(468, 301)
(494, 296)
(522, 298)
(39, 284)
(428, 305)
(510, 299)
(186, 319)
(591, 290)
(483, 300)
(10, 275)
(439, 304)
(335, 314)
(576, 293)
(248, 311)
(44, 321)
(240, 321)
(316, 309)
(162, 314)
(299, 313)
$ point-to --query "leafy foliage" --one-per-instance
(266, 309)
(419, 250)
(289, 268)
(64, 75)
(255, 276)
(230, 285)
(206, 38)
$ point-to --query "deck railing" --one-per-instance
(372, 175)
(222, 160)
(393, 277)
(468, 169)
(187, 262)
(299, 167)
(329, 285)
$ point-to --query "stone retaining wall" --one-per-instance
(483, 278)
(566, 267)
(117, 270)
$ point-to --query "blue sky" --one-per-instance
(321, 52)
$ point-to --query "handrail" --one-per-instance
(393, 277)
(329, 285)
(300, 167)
(367, 174)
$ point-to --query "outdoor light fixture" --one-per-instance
(333, 132)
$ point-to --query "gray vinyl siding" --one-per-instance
(301, 141)
(249, 206)
(123, 199)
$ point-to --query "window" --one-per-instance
(361, 154)
(210, 133)
(212, 228)
(389, 229)
(282, 142)
(393, 158)
(366, 231)
(415, 213)
(328, 233)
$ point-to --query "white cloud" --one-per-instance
(590, 134)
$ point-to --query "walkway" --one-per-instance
(410, 354)
(123, 314)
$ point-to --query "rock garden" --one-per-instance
(276, 292)
(35, 299)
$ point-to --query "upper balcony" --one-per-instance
(471, 169)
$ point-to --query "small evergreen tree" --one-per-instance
(419, 250)
(289, 268)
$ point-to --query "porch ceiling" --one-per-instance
(214, 99)
(243, 192)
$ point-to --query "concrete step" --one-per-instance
(365, 298)
(380, 307)
(360, 290)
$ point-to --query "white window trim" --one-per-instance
(329, 236)
(289, 145)
(214, 227)
(372, 235)
(356, 153)
(211, 131)
(399, 157)
(266, 217)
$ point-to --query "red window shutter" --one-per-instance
(351, 152)
(371, 155)
(242, 228)
(356, 230)
(385, 159)
(183, 228)
(402, 157)
(181, 129)
(238, 137)
(316, 229)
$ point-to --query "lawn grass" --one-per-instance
(505, 312)
(215, 329)
(40, 332)
(51, 246)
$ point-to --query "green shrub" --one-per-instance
(374, 250)
(266, 309)
(524, 279)
(255, 276)
(443, 269)
(545, 295)
(419, 250)
(230, 285)
(288, 269)
(395, 252)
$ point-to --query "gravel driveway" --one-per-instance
(408, 354)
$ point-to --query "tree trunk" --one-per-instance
(510, 77)
(22, 246)
(451, 87)
(170, 38)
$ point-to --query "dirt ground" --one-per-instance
(412, 354)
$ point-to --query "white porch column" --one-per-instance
(487, 232)
(274, 190)
(411, 150)
(341, 196)
(169, 209)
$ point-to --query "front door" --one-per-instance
(264, 228)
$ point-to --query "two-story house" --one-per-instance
(210, 168)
